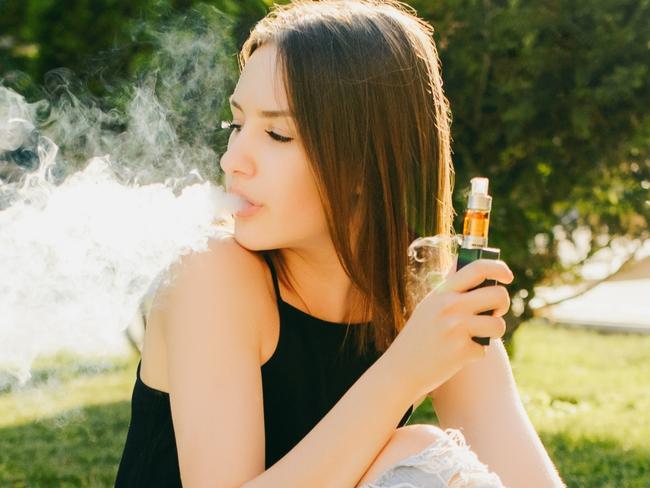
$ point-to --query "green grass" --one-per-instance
(587, 394)
(67, 427)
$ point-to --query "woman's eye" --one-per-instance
(229, 125)
(278, 137)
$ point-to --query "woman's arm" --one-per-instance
(342, 446)
(211, 318)
(212, 323)
(483, 401)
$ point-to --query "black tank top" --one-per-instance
(311, 368)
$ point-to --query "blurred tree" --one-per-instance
(97, 51)
(37, 36)
(549, 100)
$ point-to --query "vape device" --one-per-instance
(475, 235)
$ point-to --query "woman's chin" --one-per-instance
(247, 240)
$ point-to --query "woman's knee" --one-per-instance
(404, 442)
(425, 455)
(413, 438)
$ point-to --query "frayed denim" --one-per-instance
(446, 463)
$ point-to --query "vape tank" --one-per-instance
(475, 235)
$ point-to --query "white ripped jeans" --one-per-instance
(447, 462)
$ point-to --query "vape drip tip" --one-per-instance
(477, 215)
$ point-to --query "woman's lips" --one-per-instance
(246, 206)
(248, 210)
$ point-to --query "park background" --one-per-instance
(549, 101)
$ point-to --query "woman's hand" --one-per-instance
(436, 341)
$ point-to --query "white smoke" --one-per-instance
(96, 203)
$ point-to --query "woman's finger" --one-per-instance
(485, 326)
(486, 298)
(475, 273)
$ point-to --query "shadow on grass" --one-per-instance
(83, 447)
(78, 448)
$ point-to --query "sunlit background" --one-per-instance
(110, 138)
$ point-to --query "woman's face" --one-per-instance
(266, 163)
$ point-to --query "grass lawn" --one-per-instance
(587, 394)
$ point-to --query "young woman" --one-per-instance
(292, 352)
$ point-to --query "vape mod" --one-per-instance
(475, 235)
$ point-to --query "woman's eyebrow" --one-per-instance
(263, 113)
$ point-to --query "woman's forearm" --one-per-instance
(504, 438)
(340, 448)
(483, 401)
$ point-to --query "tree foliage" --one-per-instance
(549, 101)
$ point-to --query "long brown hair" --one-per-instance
(365, 89)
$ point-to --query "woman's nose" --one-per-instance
(237, 158)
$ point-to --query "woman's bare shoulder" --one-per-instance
(224, 286)
(248, 265)
(224, 274)
(223, 261)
